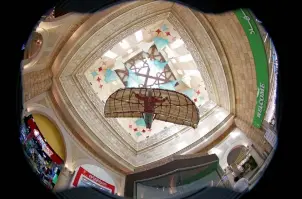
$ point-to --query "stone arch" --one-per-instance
(28, 63)
(223, 159)
(49, 114)
(233, 154)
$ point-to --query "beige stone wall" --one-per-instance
(238, 53)
(240, 58)
(36, 83)
(256, 135)
(205, 150)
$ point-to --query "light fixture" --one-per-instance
(124, 44)
(139, 36)
(36, 132)
(193, 72)
(177, 43)
(234, 134)
(245, 144)
(220, 116)
(170, 53)
(215, 150)
(186, 79)
(110, 54)
(181, 145)
(129, 51)
(180, 72)
(185, 58)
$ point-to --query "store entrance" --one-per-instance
(42, 158)
(241, 162)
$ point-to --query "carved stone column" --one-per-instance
(64, 180)
(255, 134)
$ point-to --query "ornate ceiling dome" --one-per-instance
(146, 44)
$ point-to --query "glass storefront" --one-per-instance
(44, 161)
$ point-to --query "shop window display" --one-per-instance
(44, 161)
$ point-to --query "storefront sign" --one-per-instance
(44, 145)
(261, 63)
(83, 172)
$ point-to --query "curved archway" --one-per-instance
(235, 153)
(39, 109)
(29, 62)
(51, 133)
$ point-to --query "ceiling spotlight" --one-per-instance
(177, 44)
(110, 54)
(174, 61)
(185, 58)
(180, 72)
(129, 51)
(124, 44)
(139, 36)
(36, 133)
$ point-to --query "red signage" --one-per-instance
(93, 178)
(45, 146)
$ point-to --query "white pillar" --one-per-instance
(64, 180)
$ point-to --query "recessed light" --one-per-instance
(139, 36)
(185, 58)
(124, 44)
(129, 51)
(179, 72)
(177, 44)
(110, 54)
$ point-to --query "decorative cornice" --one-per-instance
(222, 56)
(180, 28)
(208, 53)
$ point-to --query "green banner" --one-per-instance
(261, 64)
